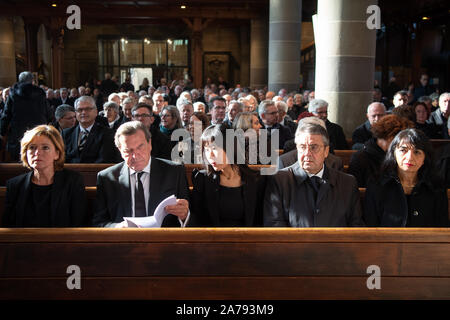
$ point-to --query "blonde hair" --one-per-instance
(43, 130)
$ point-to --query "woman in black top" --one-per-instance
(225, 194)
(47, 196)
(406, 194)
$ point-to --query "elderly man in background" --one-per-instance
(186, 110)
(375, 111)
(234, 108)
(268, 113)
(283, 118)
(440, 116)
(319, 108)
(217, 107)
(65, 117)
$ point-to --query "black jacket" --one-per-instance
(386, 204)
(361, 134)
(366, 163)
(205, 199)
(289, 200)
(25, 108)
(114, 195)
(337, 136)
(99, 147)
(68, 200)
(440, 124)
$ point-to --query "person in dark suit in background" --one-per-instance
(308, 193)
(268, 113)
(375, 111)
(25, 108)
(439, 117)
(319, 108)
(89, 142)
(48, 195)
(226, 193)
(135, 187)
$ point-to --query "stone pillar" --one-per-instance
(285, 20)
(345, 60)
(31, 31)
(245, 55)
(197, 25)
(55, 27)
(7, 53)
(259, 40)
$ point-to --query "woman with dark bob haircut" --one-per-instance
(48, 195)
(407, 194)
(227, 193)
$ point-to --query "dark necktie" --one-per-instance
(83, 139)
(139, 198)
(315, 181)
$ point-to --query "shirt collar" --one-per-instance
(146, 169)
(318, 174)
(88, 129)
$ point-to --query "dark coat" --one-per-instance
(440, 124)
(161, 144)
(289, 200)
(361, 135)
(291, 125)
(99, 146)
(295, 111)
(70, 101)
(385, 204)
(68, 200)
(25, 108)
(366, 163)
(284, 135)
(114, 195)
(442, 164)
(205, 199)
(337, 136)
(289, 158)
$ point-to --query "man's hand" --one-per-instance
(180, 209)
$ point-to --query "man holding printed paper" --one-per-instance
(136, 186)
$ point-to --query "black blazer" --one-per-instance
(99, 146)
(289, 200)
(68, 200)
(114, 195)
(386, 205)
(205, 199)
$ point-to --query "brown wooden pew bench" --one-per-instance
(225, 263)
(91, 193)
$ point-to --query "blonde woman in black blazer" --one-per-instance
(48, 195)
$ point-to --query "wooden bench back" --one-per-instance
(225, 264)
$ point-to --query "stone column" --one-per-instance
(259, 40)
(345, 60)
(7, 53)
(285, 20)
(245, 55)
(31, 31)
(55, 27)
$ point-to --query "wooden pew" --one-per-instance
(224, 263)
(91, 191)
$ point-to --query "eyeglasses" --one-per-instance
(166, 116)
(314, 148)
(80, 110)
(144, 115)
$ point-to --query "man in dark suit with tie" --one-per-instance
(308, 193)
(89, 142)
(135, 187)
(268, 113)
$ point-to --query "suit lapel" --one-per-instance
(156, 178)
(125, 192)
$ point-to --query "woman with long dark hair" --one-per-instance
(407, 194)
(227, 193)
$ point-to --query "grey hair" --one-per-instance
(183, 102)
(311, 120)
(240, 105)
(85, 99)
(316, 104)
(61, 111)
(112, 105)
(129, 128)
(281, 105)
(127, 100)
(62, 89)
(264, 105)
(373, 103)
(314, 129)
(443, 95)
(424, 99)
(26, 77)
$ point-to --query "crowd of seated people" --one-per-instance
(140, 130)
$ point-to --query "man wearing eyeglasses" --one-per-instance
(268, 113)
(308, 193)
(89, 142)
(338, 141)
(161, 146)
